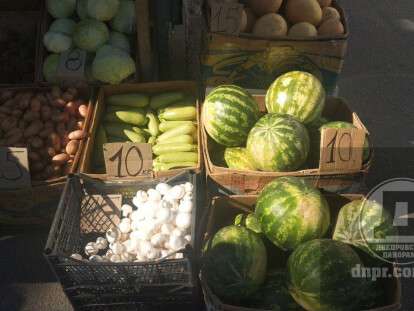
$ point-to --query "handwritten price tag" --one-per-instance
(14, 168)
(126, 160)
(341, 150)
(72, 66)
(226, 17)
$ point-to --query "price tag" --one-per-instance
(126, 160)
(72, 65)
(341, 150)
(226, 17)
(14, 168)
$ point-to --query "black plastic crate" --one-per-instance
(98, 286)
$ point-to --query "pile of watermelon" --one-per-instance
(287, 138)
(293, 217)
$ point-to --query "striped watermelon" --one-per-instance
(320, 276)
(278, 143)
(360, 222)
(291, 212)
(249, 221)
(296, 93)
(234, 263)
(229, 112)
(237, 158)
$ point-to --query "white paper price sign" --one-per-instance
(72, 66)
(126, 160)
(226, 17)
(341, 150)
(14, 168)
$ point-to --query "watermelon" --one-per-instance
(320, 276)
(237, 158)
(274, 294)
(361, 222)
(291, 212)
(316, 140)
(234, 263)
(249, 221)
(278, 143)
(229, 112)
(296, 93)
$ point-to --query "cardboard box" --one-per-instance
(224, 209)
(86, 164)
(243, 182)
(252, 62)
(29, 205)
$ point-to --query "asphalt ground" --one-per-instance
(377, 81)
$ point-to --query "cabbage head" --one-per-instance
(56, 42)
(50, 66)
(63, 25)
(119, 40)
(112, 65)
(103, 10)
(61, 8)
(90, 35)
(124, 21)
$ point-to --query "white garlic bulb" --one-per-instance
(127, 257)
(101, 243)
(183, 220)
(141, 196)
(166, 204)
(187, 238)
(158, 239)
(139, 235)
(95, 258)
(167, 228)
(176, 192)
(177, 232)
(144, 248)
(176, 242)
(153, 195)
(163, 214)
(91, 249)
(123, 237)
(163, 188)
(137, 215)
(188, 187)
(116, 258)
(153, 254)
(188, 196)
(76, 256)
(126, 210)
(117, 248)
(141, 258)
(112, 235)
(124, 227)
(185, 206)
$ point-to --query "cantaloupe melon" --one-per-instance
(262, 7)
(303, 29)
(324, 3)
(270, 26)
(298, 11)
(330, 12)
(331, 27)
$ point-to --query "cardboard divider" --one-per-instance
(86, 163)
(222, 212)
(253, 181)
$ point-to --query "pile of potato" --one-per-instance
(293, 18)
(50, 123)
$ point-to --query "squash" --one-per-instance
(270, 26)
(330, 12)
(298, 11)
(303, 29)
(331, 27)
(262, 7)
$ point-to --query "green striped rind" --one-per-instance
(278, 143)
(229, 112)
(291, 212)
(320, 276)
(296, 93)
(249, 221)
(234, 263)
(237, 158)
(360, 222)
(316, 140)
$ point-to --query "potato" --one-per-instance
(31, 115)
(59, 103)
(33, 156)
(21, 124)
(37, 167)
(45, 112)
(36, 142)
(56, 92)
(42, 98)
(262, 7)
(270, 26)
(49, 124)
(331, 27)
(73, 91)
(8, 124)
(78, 134)
(13, 132)
(12, 140)
(54, 141)
(72, 108)
(60, 159)
(61, 117)
(72, 147)
(60, 129)
(51, 151)
(17, 113)
(330, 12)
(33, 129)
(83, 111)
(6, 95)
(298, 11)
(35, 105)
(324, 3)
(303, 30)
(66, 96)
(24, 101)
(5, 110)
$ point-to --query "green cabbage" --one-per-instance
(61, 8)
(63, 25)
(90, 35)
(50, 66)
(57, 42)
(120, 41)
(112, 65)
(82, 9)
(124, 21)
(103, 10)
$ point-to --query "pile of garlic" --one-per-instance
(158, 225)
